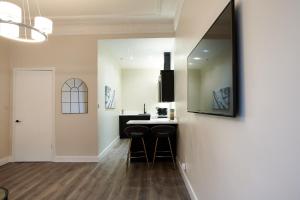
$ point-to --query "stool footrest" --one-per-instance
(137, 157)
(137, 152)
(163, 156)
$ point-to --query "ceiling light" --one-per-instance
(10, 12)
(18, 25)
(197, 58)
(205, 51)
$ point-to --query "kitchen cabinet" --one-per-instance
(166, 86)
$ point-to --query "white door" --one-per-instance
(33, 115)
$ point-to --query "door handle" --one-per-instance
(18, 121)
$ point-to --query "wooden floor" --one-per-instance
(107, 179)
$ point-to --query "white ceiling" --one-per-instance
(68, 15)
(139, 53)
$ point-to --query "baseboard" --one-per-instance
(187, 182)
(5, 160)
(76, 159)
(102, 154)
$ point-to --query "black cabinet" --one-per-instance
(123, 119)
(166, 86)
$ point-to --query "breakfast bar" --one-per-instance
(150, 138)
(162, 121)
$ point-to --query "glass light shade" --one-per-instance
(43, 24)
(36, 36)
(10, 12)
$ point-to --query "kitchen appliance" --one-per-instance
(162, 112)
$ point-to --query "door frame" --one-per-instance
(52, 70)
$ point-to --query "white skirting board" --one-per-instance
(86, 158)
(4, 161)
(103, 153)
(187, 181)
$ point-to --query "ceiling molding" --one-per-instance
(157, 13)
(114, 16)
(158, 21)
(113, 25)
(114, 29)
(111, 19)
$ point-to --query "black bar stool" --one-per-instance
(3, 194)
(136, 133)
(163, 132)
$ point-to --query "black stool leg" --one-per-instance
(145, 151)
(129, 152)
(154, 155)
(172, 152)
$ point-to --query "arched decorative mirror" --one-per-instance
(74, 97)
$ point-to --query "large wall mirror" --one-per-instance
(74, 97)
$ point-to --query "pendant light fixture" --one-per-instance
(17, 24)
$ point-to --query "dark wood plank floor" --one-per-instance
(107, 179)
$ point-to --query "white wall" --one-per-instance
(109, 73)
(72, 56)
(4, 99)
(256, 155)
(140, 86)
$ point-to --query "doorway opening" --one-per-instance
(128, 82)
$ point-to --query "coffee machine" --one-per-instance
(162, 112)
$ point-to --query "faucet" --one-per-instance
(145, 109)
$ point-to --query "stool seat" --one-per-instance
(136, 134)
(162, 134)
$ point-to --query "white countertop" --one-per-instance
(153, 121)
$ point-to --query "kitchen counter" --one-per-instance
(132, 114)
(153, 121)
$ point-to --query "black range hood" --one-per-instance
(167, 60)
(166, 81)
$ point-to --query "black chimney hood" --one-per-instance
(166, 80)
(167, 60)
